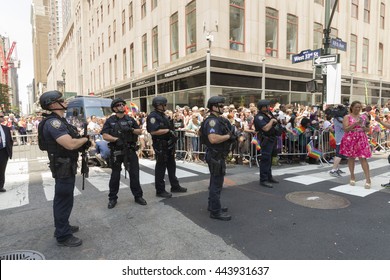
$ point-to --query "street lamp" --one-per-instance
(263, 78)
(63, 78)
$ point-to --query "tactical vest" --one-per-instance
(122, 129)
(164, 124)
(50, 145)
(204, 134)
(268, 133)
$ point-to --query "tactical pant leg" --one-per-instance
(62, 206)
(135, 185)
(215, 188)
(159, 174)
(115, 180)
(266, 161)
(171, 166)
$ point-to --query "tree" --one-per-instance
(4, 97)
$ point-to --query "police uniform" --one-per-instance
(164, 148)
(123, 151)
(63, 165)
(216, 154)
(268, 142)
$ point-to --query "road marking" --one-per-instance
(48, 183)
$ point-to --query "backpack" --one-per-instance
(41, 141)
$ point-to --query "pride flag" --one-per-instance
(332, 140)
(373, 142)
(312, 151)
(298, 130)
(255, 142)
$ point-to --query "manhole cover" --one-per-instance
(22, 255)
(318, 200)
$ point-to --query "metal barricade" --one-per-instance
(26, 148)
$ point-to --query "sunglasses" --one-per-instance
(119, 105)
(60, 100)
(220, 105)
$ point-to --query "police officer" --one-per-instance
(62, 142)
(121, 131)
(216, 134)
(164, 140)
(267, 127)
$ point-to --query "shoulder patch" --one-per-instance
(212, 123)
(260, 118)
(152, 120)
(55, 123)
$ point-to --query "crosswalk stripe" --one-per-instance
(100, 179)
(16, 183)
(48, 183)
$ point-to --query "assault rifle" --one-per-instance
(84, 158)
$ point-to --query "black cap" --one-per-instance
(116, 101)
(262, 103)
(215, 100)
(159, 100)
(48, 98)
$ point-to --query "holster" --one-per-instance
(216, 162)
(62, 167)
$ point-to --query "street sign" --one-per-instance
(337, 43)
(305, 55)
(326, 59)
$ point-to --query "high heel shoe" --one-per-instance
(352, 182)
(367, 186)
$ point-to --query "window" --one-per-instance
(114, 30)
(93, 50)
(271, 32)
(144, 53)
(191, 27)
(237, 25)
(110, 70)
(380, 59)
(131, 60)
(93, 27)
(101, 13)
(332, 4)
(100, 80)
(317, 36)
(109, 36)
(365, 55)
(292, 35)
(89, 28)
(382, 16)
(124, 64)
(123, 22)
(353, 53)
(103, 75)
(355, 8)
(115, 68)
(102, 42)
(155, 46)
(98, 45)
(174, 37)
(143, 8)
(131, 18)
(367, 11)
(154, 4)
(97, 18)
(108, 10)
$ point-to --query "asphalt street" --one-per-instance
(308, 215)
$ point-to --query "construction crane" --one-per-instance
(6, 62)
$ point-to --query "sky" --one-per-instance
(15, 24)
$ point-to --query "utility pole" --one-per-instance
(326, 42)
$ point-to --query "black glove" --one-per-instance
(233, 137)
(87, 145)
(119, 142)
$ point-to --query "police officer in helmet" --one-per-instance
(62, 142)
(267, 128)
(164, 139)
(121, 131)
(217, 134)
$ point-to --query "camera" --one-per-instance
(337, 112)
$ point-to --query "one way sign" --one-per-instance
(327, 59)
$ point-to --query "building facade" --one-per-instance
(241, 49)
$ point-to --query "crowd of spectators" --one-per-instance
(187, 121)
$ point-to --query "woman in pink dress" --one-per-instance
(354, 143)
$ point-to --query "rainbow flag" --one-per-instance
(332, 140)
(381, 126)
(298, 130)
(373, 142)
(255, 142)
(312, 151)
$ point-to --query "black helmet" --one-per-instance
(116, 101)
(215, 100)
(159, 100)
(262, 103)
(48, 98)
